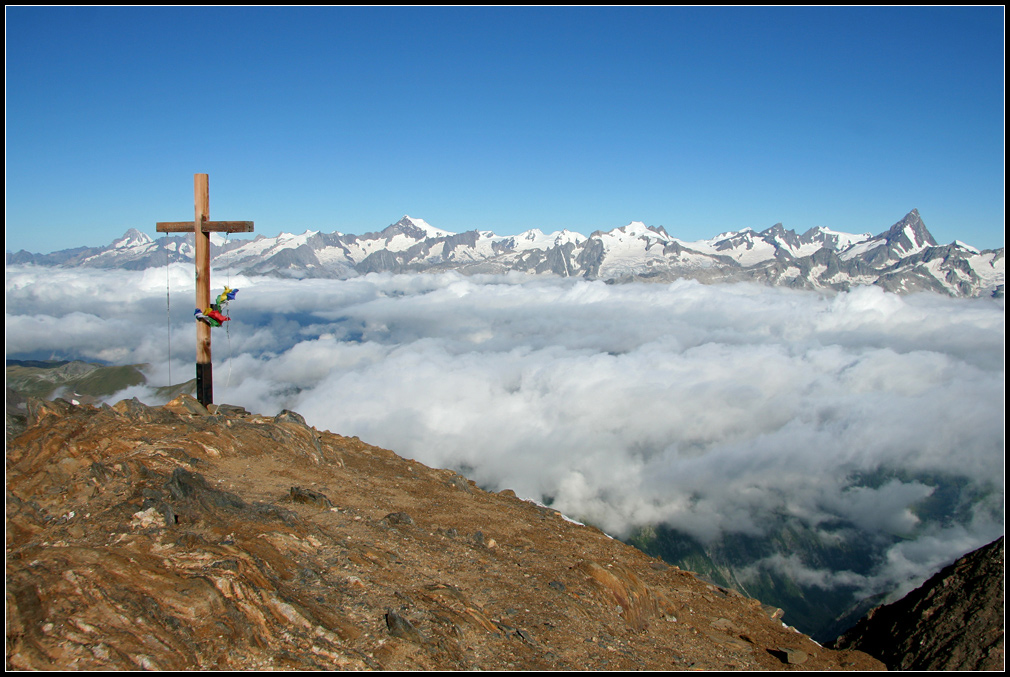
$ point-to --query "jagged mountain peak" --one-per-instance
(912, 229)
(780, 234)
(417, 228)
(132, 238)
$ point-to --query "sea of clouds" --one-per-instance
(713, 409)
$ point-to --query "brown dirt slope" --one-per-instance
(176, 539)
(953, 621)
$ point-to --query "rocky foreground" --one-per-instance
(176, 539)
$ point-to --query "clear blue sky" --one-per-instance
(701, 120)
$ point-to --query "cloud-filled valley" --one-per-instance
(716, 410)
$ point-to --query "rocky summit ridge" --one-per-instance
(905, 258)
(181, 538)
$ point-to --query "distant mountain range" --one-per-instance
(904, 258)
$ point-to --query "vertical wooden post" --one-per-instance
(204, 376)
(202, 227)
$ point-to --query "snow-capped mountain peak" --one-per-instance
(132, 238)
(904, 258)
(424, 226)
(537, 239)
(636, 228)
(832, 238)
(910, 234)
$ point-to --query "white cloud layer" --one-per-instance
(709, 408)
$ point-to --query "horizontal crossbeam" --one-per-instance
(208, 226)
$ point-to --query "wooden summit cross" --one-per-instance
(202, 227)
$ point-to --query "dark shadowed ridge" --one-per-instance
(954, 621)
